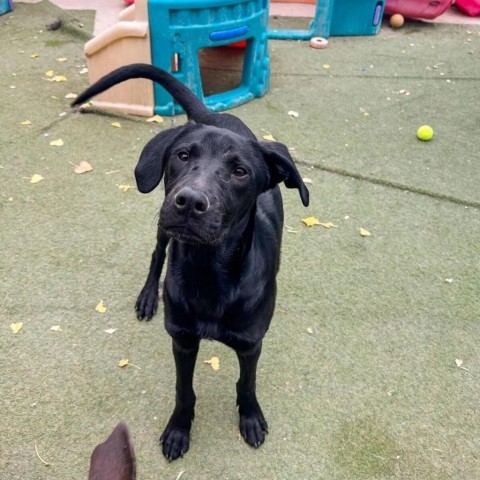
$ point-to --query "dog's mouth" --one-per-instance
(186, 235)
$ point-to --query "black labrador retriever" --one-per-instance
(222, 218)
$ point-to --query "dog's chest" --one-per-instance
(204, 299)
(209, 294)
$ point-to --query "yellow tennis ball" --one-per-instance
(425, 133)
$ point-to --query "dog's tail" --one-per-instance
(193, 106)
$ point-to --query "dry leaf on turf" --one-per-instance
(34, 55)
(365, 233)
(155, 119)
(126, 362)
(36, 178)
(310, 221)
(459, 364)
(50, 73)
(125, 188)
(71, 95)
(101, 308)
(16, 327)
(110, 331)
(328, 225)
(57, 143)
(292, 113)
(56, 328)
(58, 78)
(26, 122)
(269, 137)
(214, 362)
(82, 167)
(117, 125)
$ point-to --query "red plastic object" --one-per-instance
(240, 44)
(418, 8)
(470, 7)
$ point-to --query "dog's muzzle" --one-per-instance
(189, 216)
(191, 202)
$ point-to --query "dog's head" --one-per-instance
(212, 178)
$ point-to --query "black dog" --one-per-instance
(223, 217)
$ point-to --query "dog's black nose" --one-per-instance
(188, 200)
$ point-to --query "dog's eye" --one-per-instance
(240, 172)
(183, 156)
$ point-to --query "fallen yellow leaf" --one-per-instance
(326, 66)
(50, 73)
(310, 221)
(82, 167)
(61, 59)
(36, 178)
(116, 125)
(125, 188)
(57, 143)
(101, 308)
(125, 362)
(34, 55)
(307, 180)
(58, 78)
(71, 95)
(365, 233)
(269, 137)
(16, 327)
(56, 328)
(26, 122)
(155, 119)
(214, 362)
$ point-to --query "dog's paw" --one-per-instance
(175, 442)
(147, 302)
(253, 425)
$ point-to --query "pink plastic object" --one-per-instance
(470, 7)
(418, 8)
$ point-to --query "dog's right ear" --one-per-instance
(151, 165)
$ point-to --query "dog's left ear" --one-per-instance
(151, 165)
(283, 169)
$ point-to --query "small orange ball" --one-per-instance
(397, 21)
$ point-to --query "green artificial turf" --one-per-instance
(360, 377)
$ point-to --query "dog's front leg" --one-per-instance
(175, 439)
(147, 301)
(252, 422)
